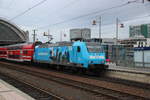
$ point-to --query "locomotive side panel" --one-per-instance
(42, 55)
(78, 54)
(60, 55)
(54, 55)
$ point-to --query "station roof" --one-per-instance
(11, 34)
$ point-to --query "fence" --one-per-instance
(128, 57)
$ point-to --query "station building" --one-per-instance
(140, 30)
(11, 33)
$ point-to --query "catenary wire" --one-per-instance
(81, 16)
(22, 13)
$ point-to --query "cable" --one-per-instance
(72, 2)
(28, 10)
(64, 7)
(129, 2)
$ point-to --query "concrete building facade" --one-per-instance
(140, 30)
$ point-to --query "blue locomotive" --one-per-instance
(86, 55)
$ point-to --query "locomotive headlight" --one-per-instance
(103, 62)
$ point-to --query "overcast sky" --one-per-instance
(51, 13)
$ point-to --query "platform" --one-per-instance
(8, 92)
(145, 70)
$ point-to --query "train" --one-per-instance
(78, 54)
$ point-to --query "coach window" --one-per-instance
(25, 52)
(78, 49)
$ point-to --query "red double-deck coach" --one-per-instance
(3, 52)
(18, 52)
(27, 52)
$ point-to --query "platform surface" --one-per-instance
(8, 92)
(130, 69)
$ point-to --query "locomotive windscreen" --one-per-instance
(94, 47)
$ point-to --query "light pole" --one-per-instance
(100, 24)
(100, 27)
(117, 29)
(117, 23)
(61, 36)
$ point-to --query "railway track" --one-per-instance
(31, 90)
(95, 88)
(129, 75)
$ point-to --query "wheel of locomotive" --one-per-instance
(58, 67)
(61, 68)
(93, 71)
(72, 69)
(83, 70)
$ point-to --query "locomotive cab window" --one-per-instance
(94, 47)
(78, 49)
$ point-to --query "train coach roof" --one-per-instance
(93, 43)
(1, 48)
(46, 45)
(15, 45)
